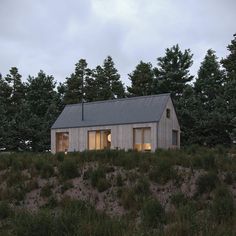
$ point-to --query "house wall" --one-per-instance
(121, 136)
(165, 127)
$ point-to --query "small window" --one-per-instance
(168, 113)
(174, 137)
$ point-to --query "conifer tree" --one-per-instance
(74, 83)
(172, 72)
(229, 64)
(141, 80)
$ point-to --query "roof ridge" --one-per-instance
(120, 99)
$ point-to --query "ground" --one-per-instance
(192, 190)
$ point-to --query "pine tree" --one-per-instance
(213, 122)
(15, 139)
(74, 83)
(172, 73)
(43, 107)
(141, 80)
(229, 64)
(106, 83)
(116, 88)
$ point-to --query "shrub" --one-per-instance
(30, 224)
(96, 175)
(206, 183)
(142, 187)
(153, 214)
(119, 180)
(103, 184)
(178, 199)
(60, 156)
(163, 172)
(5, 210)
(46, 191)
(69, 169)
(128, 199)
(223, 205)
(47, 170)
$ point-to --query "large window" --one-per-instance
(142, 139)
(99, 139)
(174, 137)
(62, 141)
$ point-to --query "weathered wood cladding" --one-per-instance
(166, 126)
(121, 136)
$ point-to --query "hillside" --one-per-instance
(180, 192)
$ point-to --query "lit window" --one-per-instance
(142, 139)
(174, 137)
(168, 113)
(62, 141)
(99, 139)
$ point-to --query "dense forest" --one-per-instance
(205, 104)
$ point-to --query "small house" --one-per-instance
(140, 123)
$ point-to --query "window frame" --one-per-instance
(168, 113)
(174, 131)
(142, 139)
(100, 139)
(57, 141)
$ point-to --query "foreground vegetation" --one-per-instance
(179, 192)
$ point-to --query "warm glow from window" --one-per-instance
(142, 139)
(62, 141)
(99, 139)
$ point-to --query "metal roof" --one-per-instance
(113, 112)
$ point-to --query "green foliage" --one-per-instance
(178, 199)
(163, 172)
(103, 184)
(142, 79)
(119, 180)
(46, 191)
(69, 169)
(206, 183)
(153, 214)
(223, 206)
(76, 218)
(142, 187)
(5, 210)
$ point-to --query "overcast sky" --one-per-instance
(53, 35)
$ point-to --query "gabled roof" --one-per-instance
(113, 112)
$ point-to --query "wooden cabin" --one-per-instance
(142, 123)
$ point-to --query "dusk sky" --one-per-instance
(53, 35)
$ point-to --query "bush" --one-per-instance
(29, 224)
(119, 180)
(128, 199)
(46, 191)
(142, 187)
(69, 169)
(47, 170)
(103, 184)
(153, 214)
(5, 210)
(163, 172)
(223, 205)
(206, 183)
(178, 199)
(96, 175)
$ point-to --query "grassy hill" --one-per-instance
(179, 192)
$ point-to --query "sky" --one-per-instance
(52, 35)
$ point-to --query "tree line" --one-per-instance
(205, 104)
